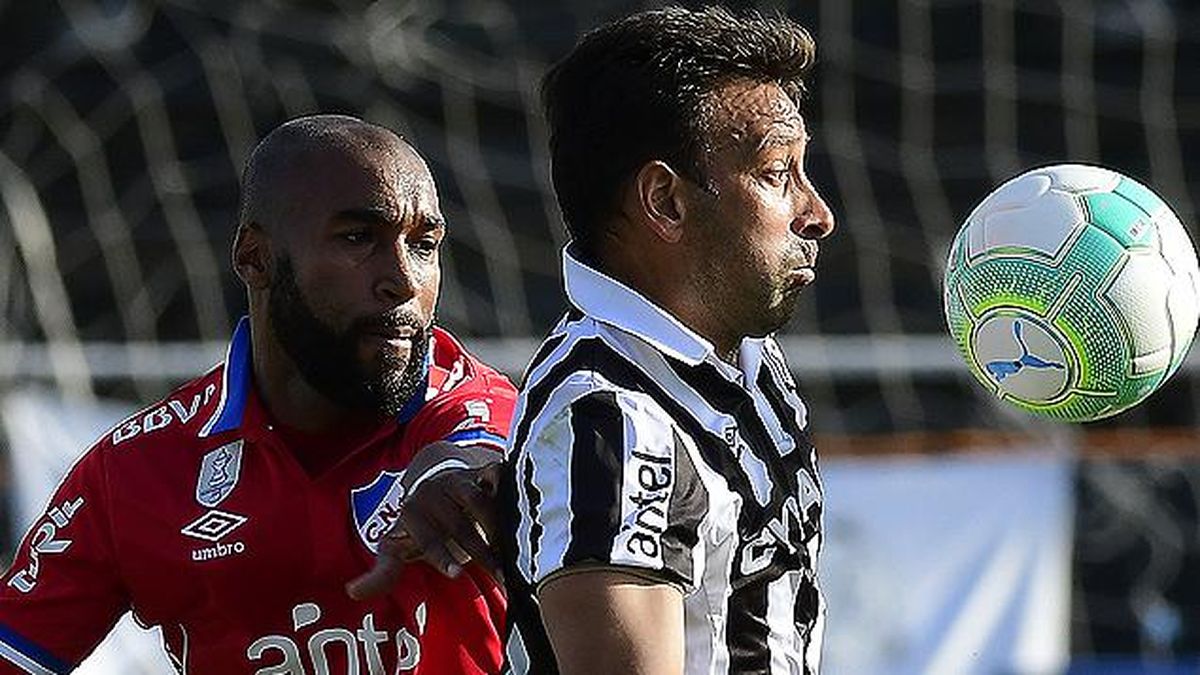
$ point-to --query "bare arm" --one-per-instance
(605, 621)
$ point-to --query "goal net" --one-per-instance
(125, 125)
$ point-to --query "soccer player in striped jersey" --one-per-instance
(662, 491)
(233, 512)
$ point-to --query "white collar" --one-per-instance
(609, 301)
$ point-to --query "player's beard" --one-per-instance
(328, 359)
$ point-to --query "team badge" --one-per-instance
(219, 471)
(376, 506)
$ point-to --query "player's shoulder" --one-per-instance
(587, 397)
(177, 420)
(455, 372)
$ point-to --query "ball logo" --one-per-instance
(1021, 358)
(1004, 368)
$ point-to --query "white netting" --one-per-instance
(126, 124)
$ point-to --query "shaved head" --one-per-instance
(279, 172)
(337, 242)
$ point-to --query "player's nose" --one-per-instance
(394, 281)
(814, 219)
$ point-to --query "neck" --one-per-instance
(725, 344)
(291, 400)
(664, 279)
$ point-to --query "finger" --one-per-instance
(430, 528)
(488, 479)
(476, 505)
(405, 546)
(471, 541)
(457, 552)
(452, 507)
(447, 517)
(379, 579)
(442, 560)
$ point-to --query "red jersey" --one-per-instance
(195, 515)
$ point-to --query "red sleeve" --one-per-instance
(466, 615)
(63, 593)
(477, 412)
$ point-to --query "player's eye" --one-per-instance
(356, 237)
(777, 177)
(426, 246)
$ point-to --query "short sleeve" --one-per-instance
(607, 479)
(476, 413)
(63, 593)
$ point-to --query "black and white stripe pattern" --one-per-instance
(627, 452)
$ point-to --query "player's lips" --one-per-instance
(804, 271)
(804, 275)
(398, 343)
(399, 337)
(394, 333)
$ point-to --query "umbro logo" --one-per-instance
(214, 525)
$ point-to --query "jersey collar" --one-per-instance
(609, 301)
(236, 382)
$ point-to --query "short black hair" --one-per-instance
(634, 91)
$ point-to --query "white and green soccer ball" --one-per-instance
(1072, 291)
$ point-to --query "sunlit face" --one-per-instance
(356, 280)
(761, 218)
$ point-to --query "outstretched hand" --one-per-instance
(447, 517)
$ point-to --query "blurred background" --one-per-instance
(963, 536)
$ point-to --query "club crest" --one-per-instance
(219, 471)
(376, 506)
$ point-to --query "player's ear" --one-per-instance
(252, 255)
(658, 194)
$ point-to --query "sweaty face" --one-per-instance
(760, 219)
(353, 291)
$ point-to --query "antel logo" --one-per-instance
(214, 525)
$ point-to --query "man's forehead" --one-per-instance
(393, 193)
(381, 183)
(784, 132)
(757, 114)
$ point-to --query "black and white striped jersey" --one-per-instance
(633, 446)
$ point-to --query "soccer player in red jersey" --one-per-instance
(233, 512)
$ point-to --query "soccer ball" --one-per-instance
(1072, 291)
